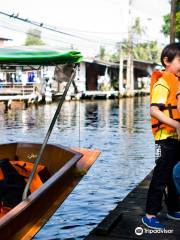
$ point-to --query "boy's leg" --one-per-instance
(166, 155)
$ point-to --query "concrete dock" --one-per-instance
(7, 100)
(124, 222)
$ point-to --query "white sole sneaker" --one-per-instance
(155, 228)
(172, 218)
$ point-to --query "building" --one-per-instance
(3, 41)
(96, 75)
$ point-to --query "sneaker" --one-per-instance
(173, 215)
(152, 223)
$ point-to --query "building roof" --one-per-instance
(5, 39)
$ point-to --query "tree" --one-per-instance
(33, 37)
(144, 51)
(137, 30)
(166, 26)
(103, 55)
(102, 52)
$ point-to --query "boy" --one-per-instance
(166, 130)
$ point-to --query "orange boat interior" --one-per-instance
(22, 156)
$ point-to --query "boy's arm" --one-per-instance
(155, 112)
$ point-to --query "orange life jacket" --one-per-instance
(13, 178)
(25, 169)
(170, 107)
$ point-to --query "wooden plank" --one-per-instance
(105, 238)
(126, 217)
(15, 97)
(108, 223)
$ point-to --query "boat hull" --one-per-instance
(67, 167)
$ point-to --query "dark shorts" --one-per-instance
(167, 155)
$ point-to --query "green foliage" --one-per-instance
(102, 52)
(33, 38)
(166, 26)
(143, 51)
(146, 51)
(103, 55)
(137, 29)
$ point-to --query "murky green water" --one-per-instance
(119, 128)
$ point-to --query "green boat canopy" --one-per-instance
(37, 56)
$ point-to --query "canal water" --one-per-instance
(119, 128)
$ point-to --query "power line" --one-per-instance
(56, 31)
(34, 35)
(55, 38)
(50, 28)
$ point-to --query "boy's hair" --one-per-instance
(170, 51)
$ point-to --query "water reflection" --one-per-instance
(119, 128)
(91, 115)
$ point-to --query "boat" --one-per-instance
(65, 166)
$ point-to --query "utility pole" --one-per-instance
(173, 21)
(120, 69)
(129, 67)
